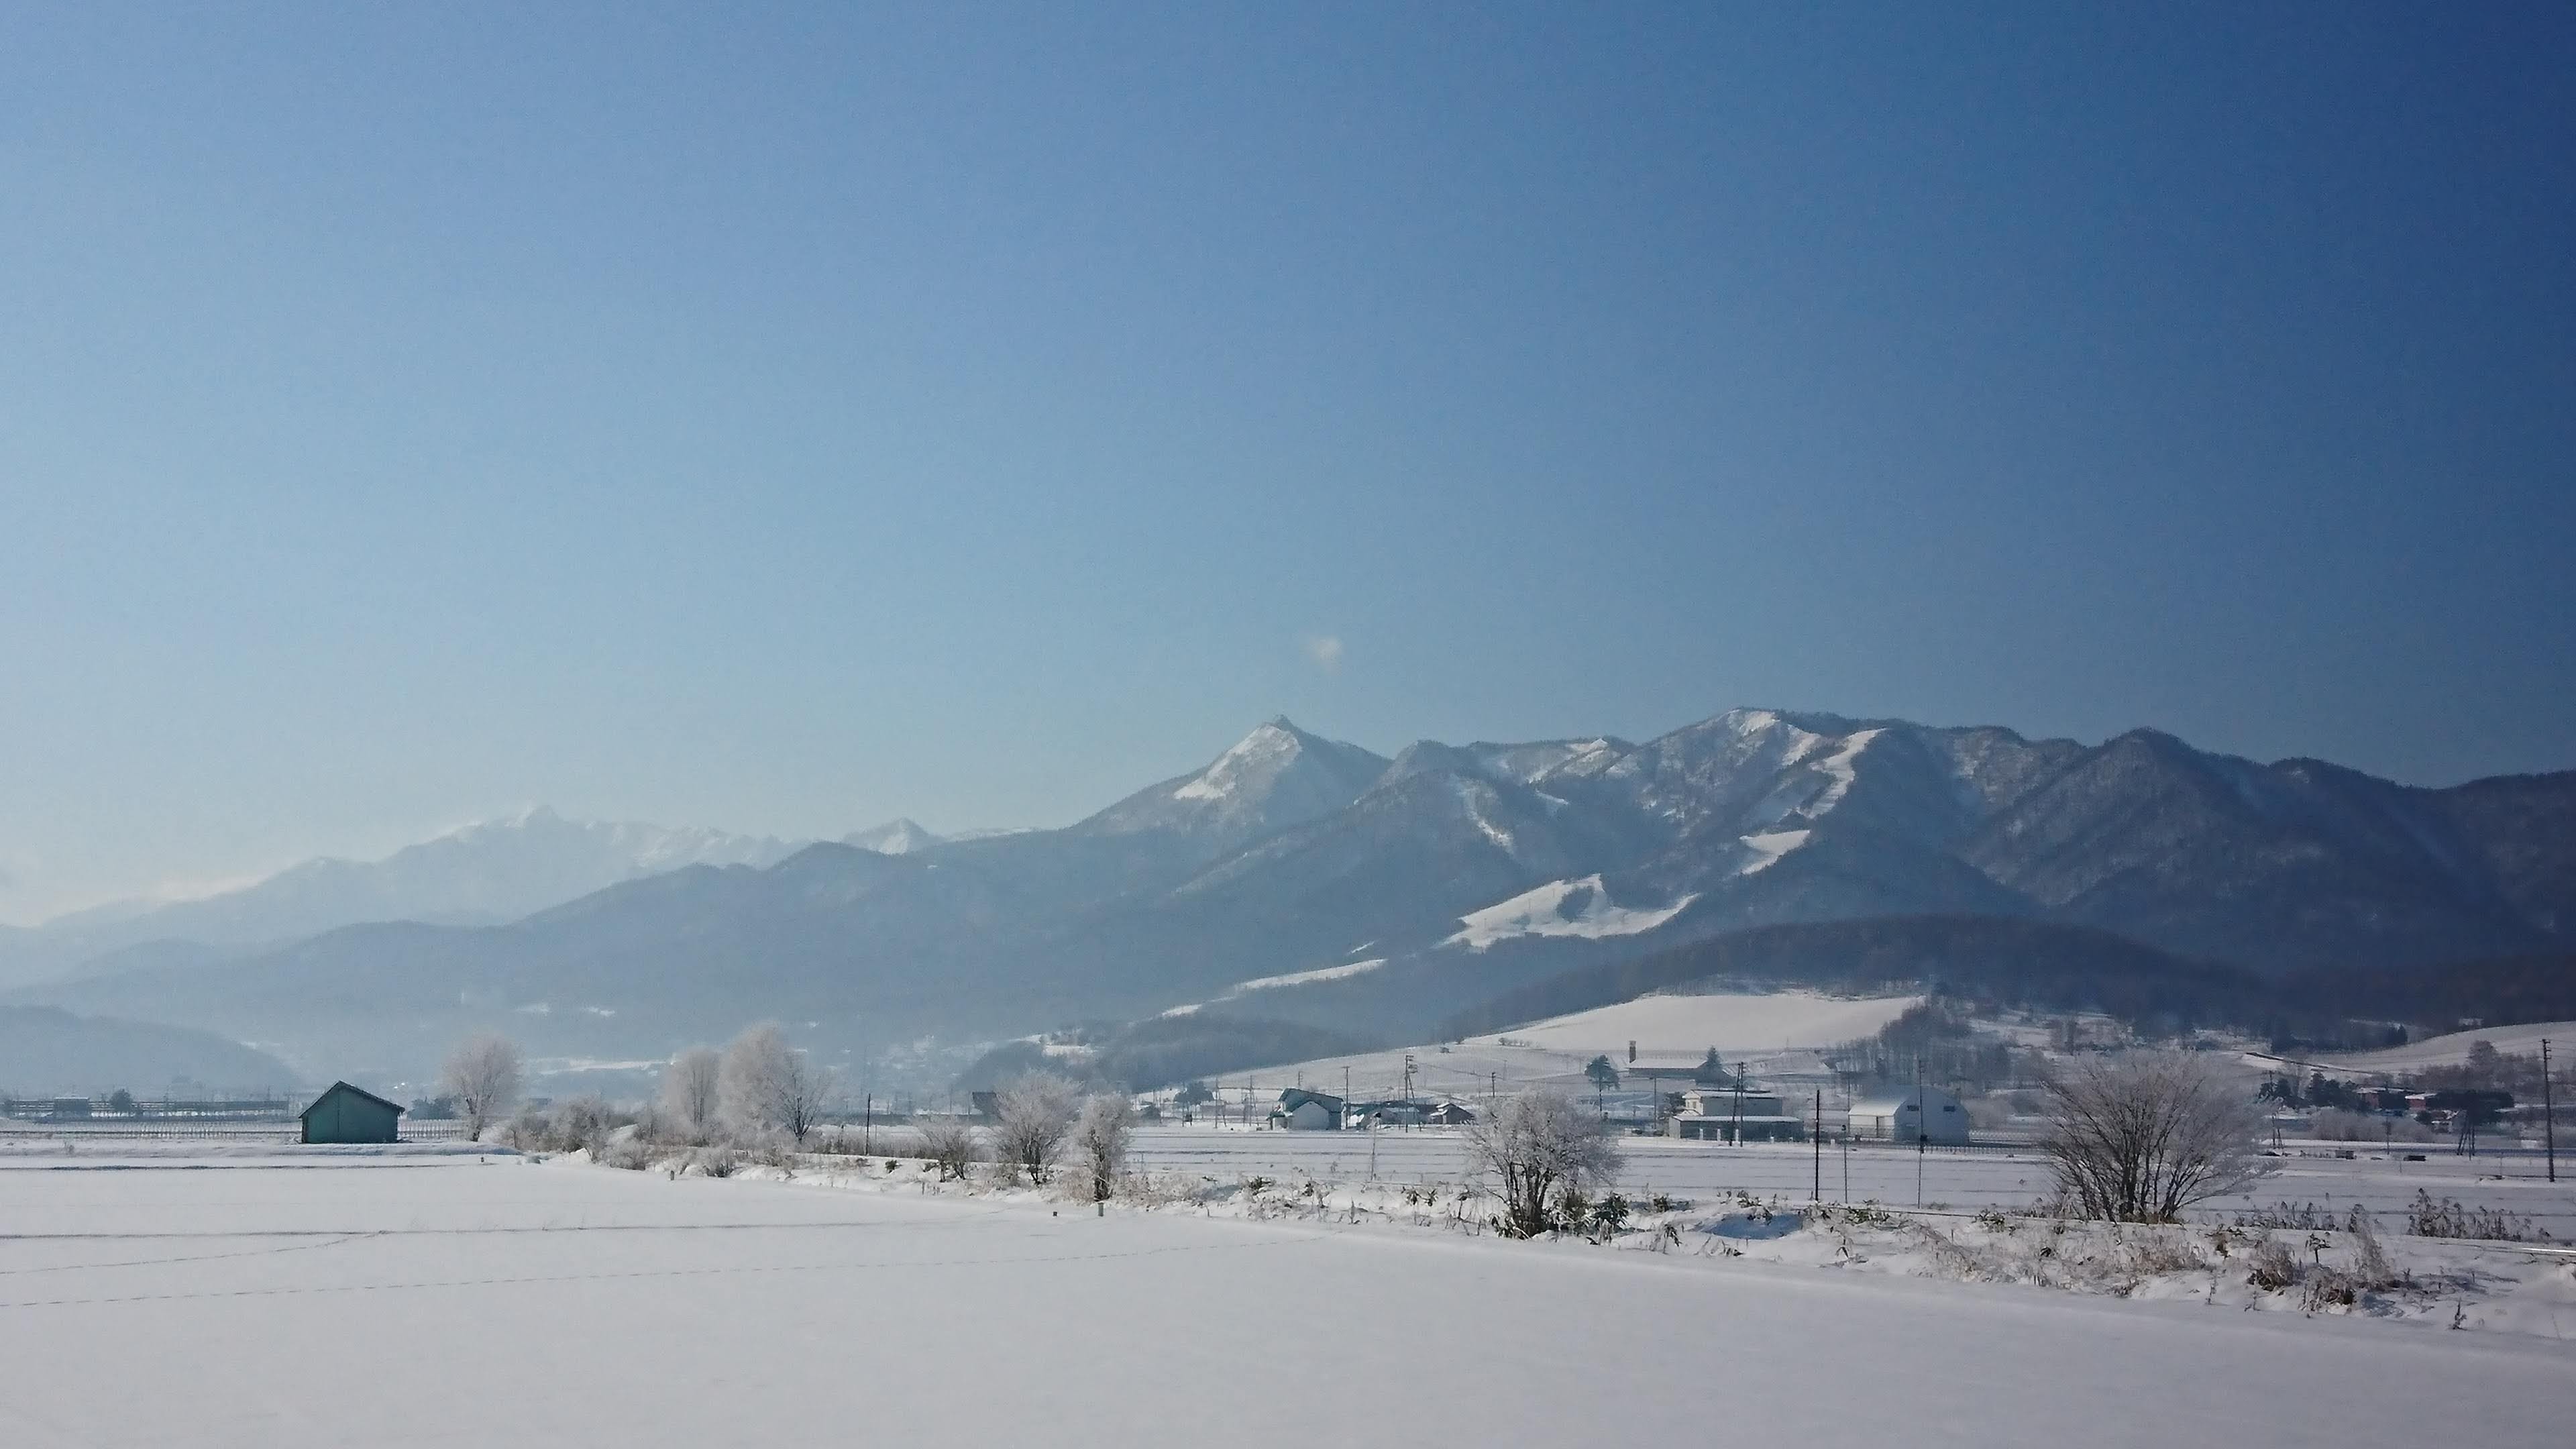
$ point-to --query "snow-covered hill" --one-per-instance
(1664, 1026)
(2452, 1049)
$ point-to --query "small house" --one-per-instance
(1729, 1115)
(344, 1113)
(1449, 1114)
(1930, 1115)
(1302, 1111)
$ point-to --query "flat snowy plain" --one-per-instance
(280, 1299)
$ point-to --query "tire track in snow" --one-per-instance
(642, 1273)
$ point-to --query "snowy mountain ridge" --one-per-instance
(1459, 873)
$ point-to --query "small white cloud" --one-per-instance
(1325, 650)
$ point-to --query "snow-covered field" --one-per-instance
(1754, 1027)
(453, 1299)
(1664, 1026)
(2453, 1049)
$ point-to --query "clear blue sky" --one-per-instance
(787, 417)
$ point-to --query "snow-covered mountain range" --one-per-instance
(1335, 886)
(486, 873)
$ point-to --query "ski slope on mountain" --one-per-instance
(1664, 1025)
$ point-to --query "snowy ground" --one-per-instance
(2453, 1049)
(1968, 1180)
(1775, 1032)
(457, 1300)
(1687, 1026)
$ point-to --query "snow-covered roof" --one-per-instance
(1888, 1104)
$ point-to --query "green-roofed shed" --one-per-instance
(344, 1113)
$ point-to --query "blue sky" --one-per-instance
(790, 417)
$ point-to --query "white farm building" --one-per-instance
(1931, 1115)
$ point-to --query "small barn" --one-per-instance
(1931, 1115)
(344, 1113)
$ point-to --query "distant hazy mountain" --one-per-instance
(895, 837)
(498, 870)
(45, 1053)
(1300, 879)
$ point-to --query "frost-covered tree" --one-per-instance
(2139, 1136)
(1034, 1115)
(483, 1074)
(951, 1144)
(767, 1086)
(1100, 1138)
(1536, 1143)
(691, 1092)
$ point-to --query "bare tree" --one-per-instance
(1100, 1138)
(2142, 1135)
(1539, 1142)
(483, 1074)
(691, 1092)
(766, 1086)
(951, 1144)
(1035, 1114)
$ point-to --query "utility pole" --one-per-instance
(1816, 1191)
(1737, 1131)
(1919, 1128)
(2548, 1113)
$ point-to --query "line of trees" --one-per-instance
(757, 1088)
(760, 1091)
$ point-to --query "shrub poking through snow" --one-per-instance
(2432, 1217)
(2370, 1265)
(2299, 1217)
(2273, 1269)
(1538, 1144)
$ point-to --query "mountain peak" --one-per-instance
(899, 836)
(1276, 776)
(1254, 760)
